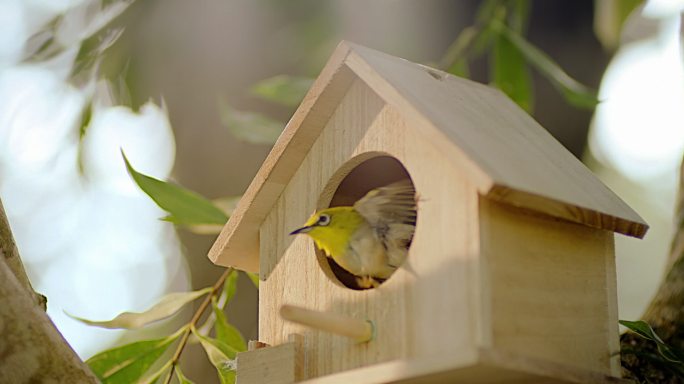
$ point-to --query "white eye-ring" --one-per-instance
(323, 220)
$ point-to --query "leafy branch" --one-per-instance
(185, 208)
(129, 363)
(193, 322)
(499, 30)
(254, 127)
(644, 330)
(664, 356)
(167, 306)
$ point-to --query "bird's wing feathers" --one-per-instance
(393, 203)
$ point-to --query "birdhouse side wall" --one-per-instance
(551, 287)
(431, 305)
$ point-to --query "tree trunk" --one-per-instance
(640, 358)
(31, 348)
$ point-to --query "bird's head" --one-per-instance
(332, 228)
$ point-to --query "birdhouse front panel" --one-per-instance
(429, 307)
(552, 288)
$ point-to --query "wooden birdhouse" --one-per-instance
(510, 276)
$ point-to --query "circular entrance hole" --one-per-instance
(359, 176)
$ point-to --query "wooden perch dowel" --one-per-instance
(357, 329)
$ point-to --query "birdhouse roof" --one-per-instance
(505, 153)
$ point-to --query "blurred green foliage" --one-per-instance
(499, 31)
(667, 352)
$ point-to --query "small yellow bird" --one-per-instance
(370, 239)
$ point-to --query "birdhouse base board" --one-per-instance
(264, 364)
(489, 367)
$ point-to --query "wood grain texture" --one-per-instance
(503, 152)
(485, 366)
(359, 330)
(255, 344)
(553, 289)
(268, 365)
(428, 293)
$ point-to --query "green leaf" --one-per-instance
(609, 17)
(225, 331)
(644, 330)
(254, 277)
(487, 11)
(184, 206)
(86, 116)
(483, 42)
(226, 205)
(510, 73)
(154, 376)
(574, 92)
(460, 68)
(91, 53)
(97, 37)
(519, 13)
(126, 364)
(181, 377)
(227, 377)
(109, 11)
(283, 89)
(205, 229)
(249, 126)
(457, 54)
(221, 356)
(217, 349)
(472, 41)
(230, 287)
(43, 45)
(167, 306)
(669, 354)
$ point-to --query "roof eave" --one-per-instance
(238, 243)
(634, 227)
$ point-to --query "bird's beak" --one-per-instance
(301, 230)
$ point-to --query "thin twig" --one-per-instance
(193, 322)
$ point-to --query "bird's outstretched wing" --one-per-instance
(391, 214)
(392, 204)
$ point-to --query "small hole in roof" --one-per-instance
(376, 171)
(435, 74)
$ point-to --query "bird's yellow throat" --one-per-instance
(334, 237)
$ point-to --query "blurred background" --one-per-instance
(173, 83)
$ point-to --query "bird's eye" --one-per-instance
(324, 220)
